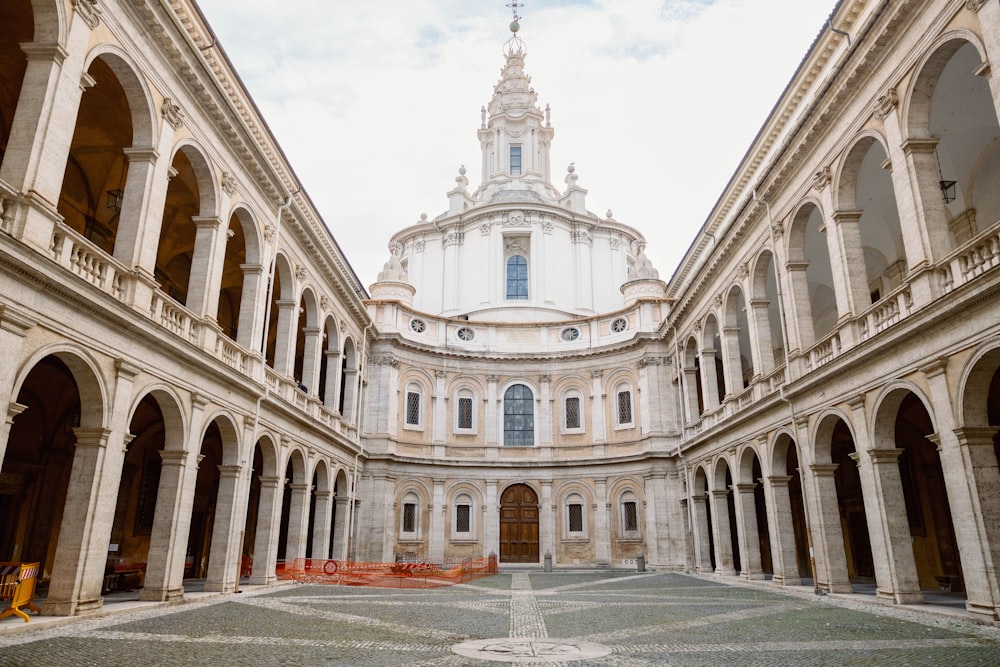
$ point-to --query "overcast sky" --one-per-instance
(376, 102)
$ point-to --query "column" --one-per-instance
(724, 564)
(800, 328)
(691, 394)
(284, 344)
(702, 547)
(439, 414)
(779, 516)
(321, 525)
(265, 551)
(657, 528)
(310, 360)
(492, 426)
(731, 363)
(547, 521)
(746, 522)
(851, 269)
(203, 267)
(828, 542)
(491, 520)
(544, 428)
(251, 322)
(298, 522)
(895, 569)
(42, 130)
(224, 556)
(709, 380)
(340, 528)
(676, 516)
(978, 527)
(597, 415)
(602, 532)
(13, 328)
(760, 324)
(332, 378)
(925, 186)
(165, 561)
(436, 530)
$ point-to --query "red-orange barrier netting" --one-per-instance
(385, 575)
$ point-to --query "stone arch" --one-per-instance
(810, 275)
(713, 375)
(230, 432)
(975, 383)
(766, 310)
(281, 315)
(789, 507)
(866, 197)
(308, 338)
(50, 21)
(951, 117)
(90, 381)
(142, 108)
(349, 370)
(242, 277)
(737, 353)
(694, 393)
(755, 546)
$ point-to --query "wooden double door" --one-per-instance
(519, 525)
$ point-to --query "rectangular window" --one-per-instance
(462, 516)
(515, 160)
(625, 407)
(631, 518)
(410, 518)
(576, 518)
(465, 412)
(412, 408)
(573, 412)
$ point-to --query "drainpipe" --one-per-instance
(781, 389)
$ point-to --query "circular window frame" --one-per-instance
(417, 325)
(465, 334)
(619, 325)
(570, 334)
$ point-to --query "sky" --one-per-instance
(376, 103)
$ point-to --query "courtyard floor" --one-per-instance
(621, 619)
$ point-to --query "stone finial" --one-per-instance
(393, 269)
(643, 269)
(571, 177)
(462, 179)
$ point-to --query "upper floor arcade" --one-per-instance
(866, 199)
(145, 179)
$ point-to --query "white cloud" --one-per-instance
(377, 103)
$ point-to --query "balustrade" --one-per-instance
(971, 260)
(72, 251)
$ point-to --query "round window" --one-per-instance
(619, 325)
(418, 326)
(570, 334)
(465, 333)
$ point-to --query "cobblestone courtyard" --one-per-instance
(607, 618)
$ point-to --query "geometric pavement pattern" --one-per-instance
(642, 620)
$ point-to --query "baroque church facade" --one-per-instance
(197, 385)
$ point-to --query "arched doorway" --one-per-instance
(519, 525)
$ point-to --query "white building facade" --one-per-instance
(196, 385)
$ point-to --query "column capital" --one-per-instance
(206, 221)
(230, 471)
(890, 455)
(824, 469)
(136, 155)
(91, 437)
(271, 482)
(172, 456)
(779, 480)
(51, 52)
(300, 487)
(976, 435)
(746, 488)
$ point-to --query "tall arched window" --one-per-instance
(575, 527)
(517, 277)
(629, 515)
(409, 520)
(465, 413)
(518, 417)
(462, 526)
(623, 406)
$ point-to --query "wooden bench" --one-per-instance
(123, 576)
(17, 588)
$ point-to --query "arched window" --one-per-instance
(462, 524)
(572, 421)
(409, 520)
(465, 412)
(629, 517)
(517, 277)
(624, 416)
(518, 417)
(575, 526)
(413, 409)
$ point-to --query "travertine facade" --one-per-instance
(814, 395)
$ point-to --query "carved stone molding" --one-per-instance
(300, 272)
(974, 5)
(582, 237)
(517, 219)
(484, 229)
(228, 183)
(821, 178)
(324, 302)
(269, 232)
(172, 113)
(649, 361)
(886, 103)
(453, 238)
(418, 246)
(90, 12)
(387, 360)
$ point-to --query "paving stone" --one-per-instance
(645, 620)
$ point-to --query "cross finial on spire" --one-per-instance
(514, 44)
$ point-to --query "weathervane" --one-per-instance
(514, 45)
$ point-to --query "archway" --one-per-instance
(853, 519)
(519, 525)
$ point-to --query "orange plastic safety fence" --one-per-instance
(385, 575)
